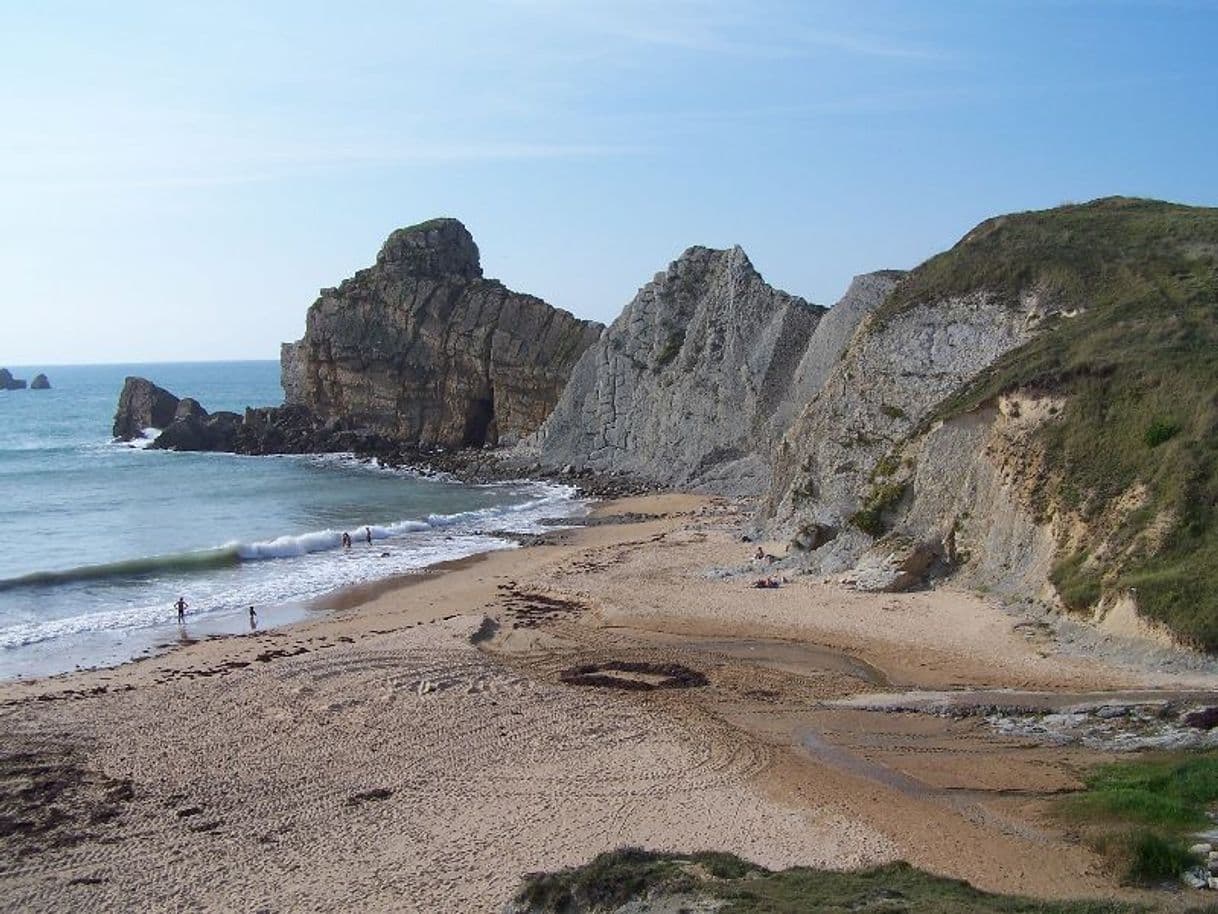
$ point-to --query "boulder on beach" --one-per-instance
(40, 382)
(142, 405)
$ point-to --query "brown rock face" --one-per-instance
(142, 405)
(422, 349)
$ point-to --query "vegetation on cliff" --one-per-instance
(1130, 345)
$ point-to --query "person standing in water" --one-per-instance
(253, 619)
(346, 540)
(368, 535)
(180, 606)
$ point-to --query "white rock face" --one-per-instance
(891, 378)
(688, 386)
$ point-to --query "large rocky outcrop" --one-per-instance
(686, 386)
(420, 348)
(40, 382)
(142, 405)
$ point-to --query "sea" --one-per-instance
(101, 538)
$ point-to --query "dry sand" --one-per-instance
(376, 759)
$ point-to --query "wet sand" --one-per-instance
(427, 741)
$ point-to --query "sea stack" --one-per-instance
(40, 382)
(424, 350)
(8, 382)
(142, 405)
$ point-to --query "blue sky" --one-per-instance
(178, 180)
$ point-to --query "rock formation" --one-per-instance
(420, 348)
(40, 382)
(1031, 411)
(686, 385)
(142, 405)
(184, 425)
(8, 382)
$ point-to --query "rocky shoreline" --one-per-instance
(184, 425)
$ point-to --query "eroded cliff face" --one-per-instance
(1030, 412)
(685, 386)
(890, 378)
(422, 349)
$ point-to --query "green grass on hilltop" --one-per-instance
(612, 879)
(1139, 370)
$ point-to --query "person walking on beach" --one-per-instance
(346, 540)
(180, 606)
(368, 535)
(253, 619)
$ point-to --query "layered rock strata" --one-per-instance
(422, 349)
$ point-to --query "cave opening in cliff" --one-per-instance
(480, 422)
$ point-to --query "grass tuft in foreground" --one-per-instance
(614, 879)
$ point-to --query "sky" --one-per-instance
(178, 180)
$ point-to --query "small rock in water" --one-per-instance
(1201, 849)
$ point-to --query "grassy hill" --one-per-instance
(1138, 368)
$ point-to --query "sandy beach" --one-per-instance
(427, 742)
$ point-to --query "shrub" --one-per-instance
(870, 518)
(1160, 431)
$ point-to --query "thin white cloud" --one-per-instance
(82, 147)
(764, 30)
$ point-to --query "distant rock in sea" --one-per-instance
(420, 348)
(8, 382)
(40, 382)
